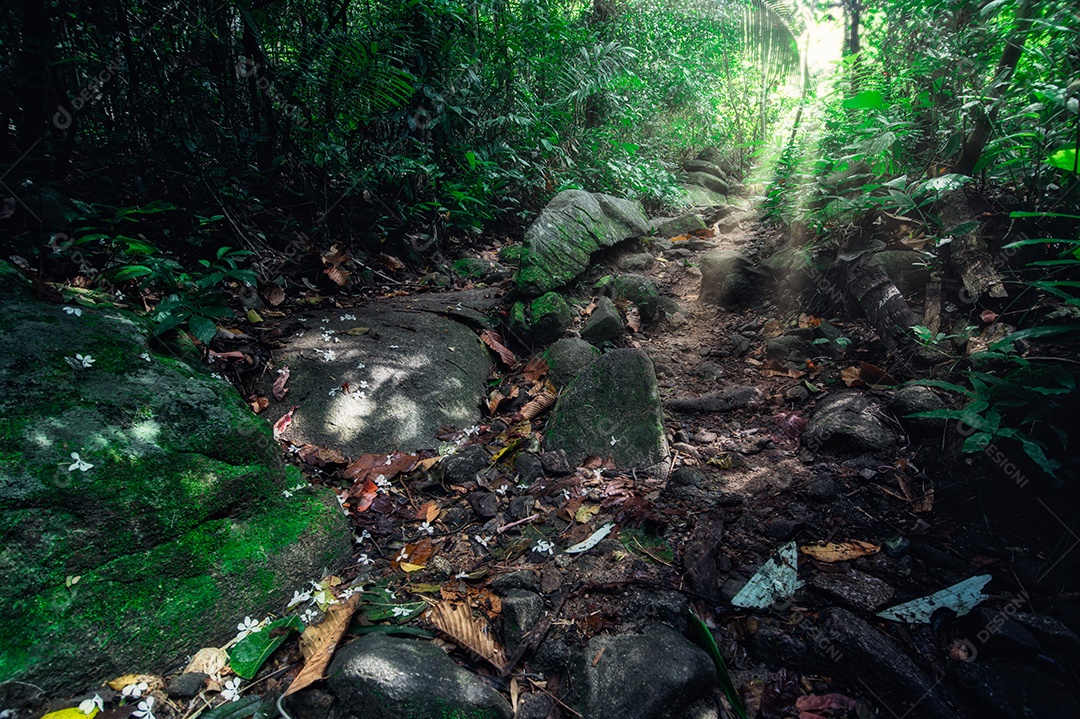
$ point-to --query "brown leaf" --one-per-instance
(839, 551)
(280, 390)
(537, 405)
(772, 328)
(283, 423)
(493, 402)
(431, 512)
(872, 374)
(321, 456)
(272, 293)
(208, 660)
(317, 643)
(772, 368)
(153, 682)
(338, 275)
(851, 378)
(365, 493)
(390, 262)
(456, 620)
(369, 466)
(493, 340)
(633, 319)
(260, 403)
(536, 369)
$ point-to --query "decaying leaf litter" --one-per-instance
(716, 531)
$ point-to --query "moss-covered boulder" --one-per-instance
(605, 325)
(574, 225)
(543, 320)
(141, 503)
(611, 410)
(682, 225)
(567, 358)
(640, 290)
(475, 268)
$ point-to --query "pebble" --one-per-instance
(704, 436)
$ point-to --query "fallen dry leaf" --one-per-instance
(456, 621)
(772, 368)
(493, 340)
(839, 551)
(536, 369)
(153, 682)
(208, 660)
(317, 643)
(369, 466)
(272, 293)
(283, 423)
(321, 456)
(537, 405)
(390, 262)
(280, 390)
(258, 404)
(364, 492)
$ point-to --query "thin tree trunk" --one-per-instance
(976, 140)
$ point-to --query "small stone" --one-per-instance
(555, 462)
(916, 398)
(485, 504)
(687, 449)
(529, 468)
(709, 370)
(605, 324)
(186, 686)
(440, 567)
(521, 609)
(520, 579)
(465, 465)
(637, 262)
(521, 507)
(847, 422)
(704, 436)
(821, 488)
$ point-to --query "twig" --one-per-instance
(651, 555)
(558, 701)
(528, 519)
(674, 459)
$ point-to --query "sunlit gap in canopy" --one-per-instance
(798, 126)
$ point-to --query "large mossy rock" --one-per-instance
(573, 226)
(174, 524)
(612, 409)
(544, 320)
(381, 677)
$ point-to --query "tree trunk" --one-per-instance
(976, 140)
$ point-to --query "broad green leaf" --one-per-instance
(866, 100)
(203, 328)
(131, 272)
(380, 604)
(1064, 158)
(254, 649)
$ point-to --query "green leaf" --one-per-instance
(131, 272)
(703, 637)
(866, 100)
(379, 605)
(203, 328)
(1040, 331)
(250, 652)
(242, 708)
(1064, 159)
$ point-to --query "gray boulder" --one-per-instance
(567, 358)
(709, 182)
(409, 374)
(574, 225)
(916, 398)
(148, 481)
(382, 677)
(612, 410)
(728, 280)
(654, 675)
(709, 168)
(640, 290)
(605, 324)
(849, 422)
(683, 224)
(699, 196)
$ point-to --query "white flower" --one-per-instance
(350, 591)
(523, 486)
(382, 481)
(400, 611)
(361, 366)
(363, 384)
(566, 494)
(482, 540)
(309, 616)
(119, 295)
(298, 597)
(363, 535)
(503, 489)
(543, 546)
(80, 464)
(394, 347)
(78, 313)
(87, 706)
(231, 692)
(324, 320)
(345, 317)
(145, 710)
(402, 556)
(426, 527)
(286, 493)
(135, 690)
(364, 559)
(461, 575)
(334, 391)
(84, 360)
(298, 487)
(145, 356)
(248, 626)
(613, 440)
(329, 355)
